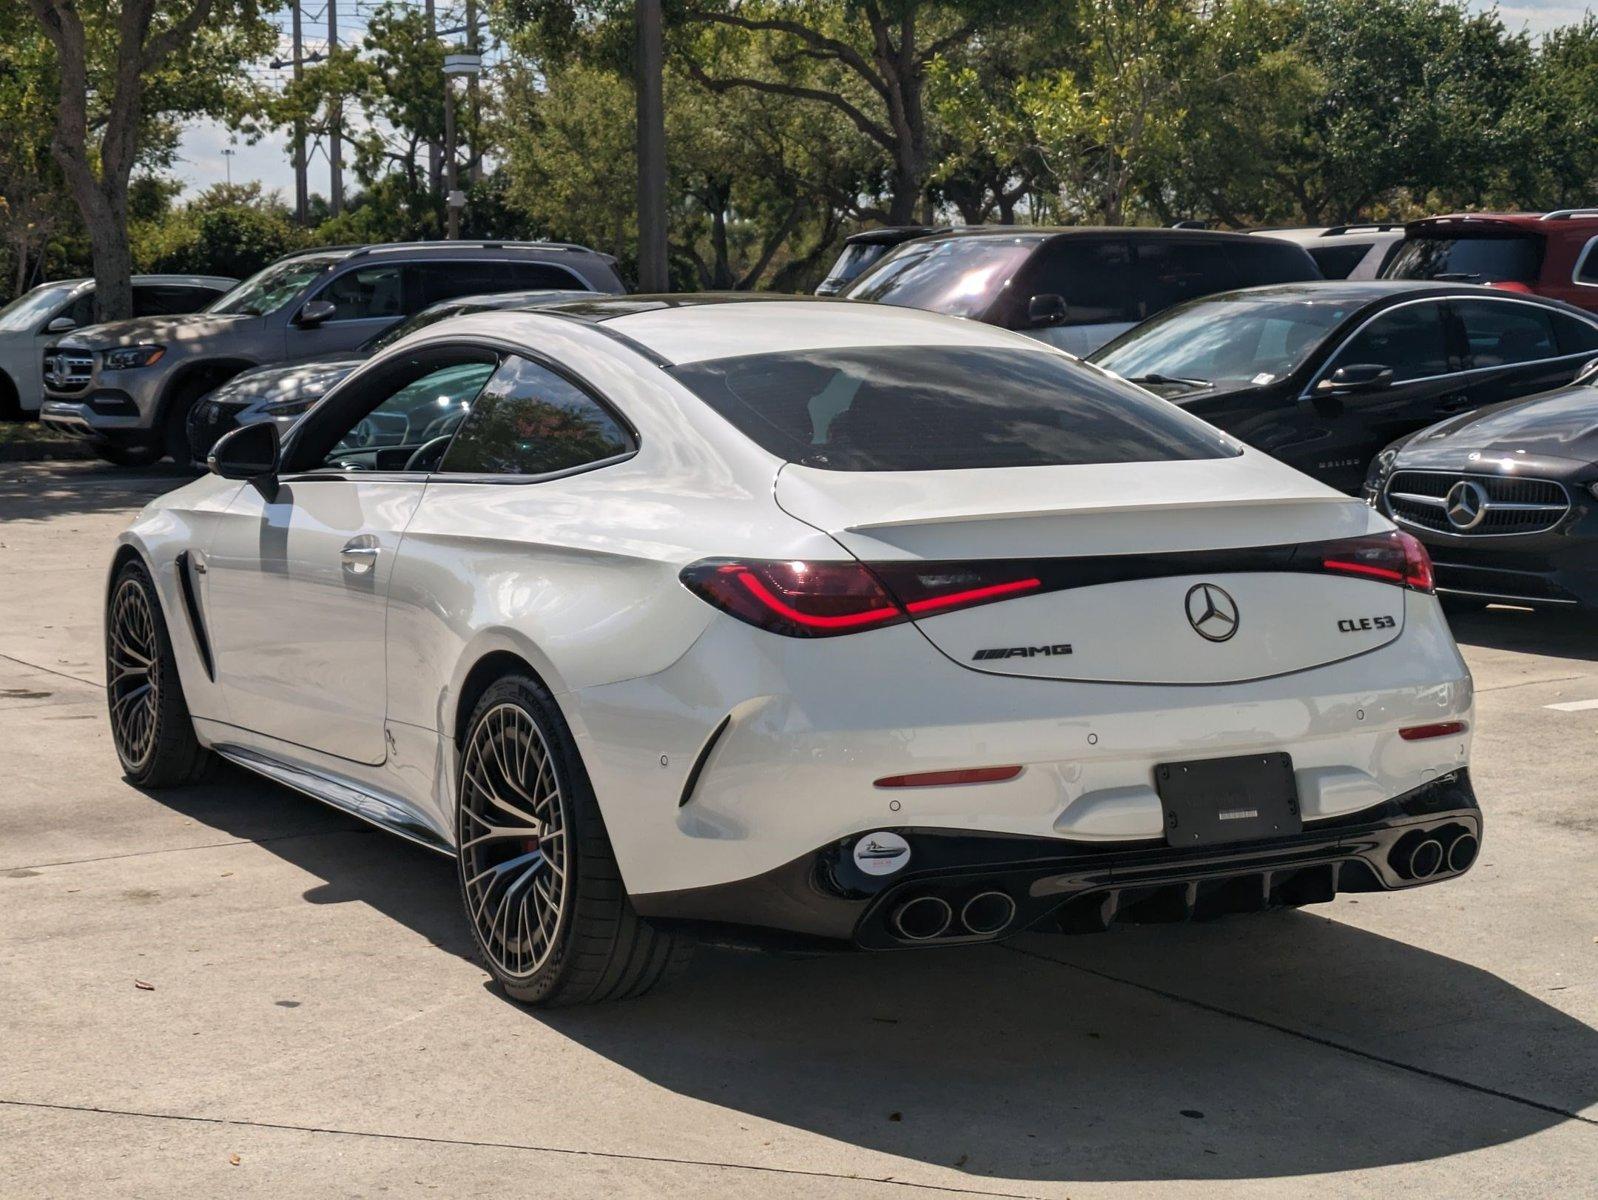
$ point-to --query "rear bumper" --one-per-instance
(1079, 887)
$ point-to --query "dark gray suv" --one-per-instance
(127, 387)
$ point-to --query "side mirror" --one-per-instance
(250, 453)
(1046, 309)
(1357, 377)
(61, 325)
(314, 313)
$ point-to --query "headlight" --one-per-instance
(1593, 488)
(125, 358)
(289, 408)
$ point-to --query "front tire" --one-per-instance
(150, 723)
(538, 877)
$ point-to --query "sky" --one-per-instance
(201, 162)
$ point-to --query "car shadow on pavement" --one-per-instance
(41, 490)
(1281, 1044)
(1552, 633)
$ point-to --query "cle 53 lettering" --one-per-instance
(1357, 624)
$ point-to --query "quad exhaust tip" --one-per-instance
(1425, 859)
(1463, 852)
(987, 913)
(923, 918)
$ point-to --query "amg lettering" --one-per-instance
(1021, 652)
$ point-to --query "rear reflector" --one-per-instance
(950, 778)
(826, 599)
(1419, 733)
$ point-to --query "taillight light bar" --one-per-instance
(827, 599)
(1395, 557)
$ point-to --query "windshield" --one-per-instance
(270, 288)
(1224, 340)
(1468, 259)
(937, 408)
(855, 259)
(958, 276)
(30, 308)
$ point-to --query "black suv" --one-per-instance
(127, 387)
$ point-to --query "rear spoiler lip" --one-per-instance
(1090, 510)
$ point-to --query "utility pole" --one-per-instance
(652, 273)
(473, 158)
(435, 164)
(302, 191)
(335, 115)
(452, 210)
(227, 157)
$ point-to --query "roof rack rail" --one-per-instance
(326, 249)
(474, 244)
(1363, 227)
(1564, 214)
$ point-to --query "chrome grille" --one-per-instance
(68, 370)
(1473, 505)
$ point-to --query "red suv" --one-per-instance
(1549, 254)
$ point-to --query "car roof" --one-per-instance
(1362, 291)
(1581, 219)
(1042, 233)
(222, 281)
(447, 249)
(694, 328)
(892, 234)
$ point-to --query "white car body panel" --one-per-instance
(358, 679)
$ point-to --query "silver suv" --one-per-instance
(127, 387)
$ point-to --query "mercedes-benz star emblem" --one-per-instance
(1212, 612)
(1466, 504)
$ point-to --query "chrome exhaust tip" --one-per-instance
(1425, 859)
(1463, 852)
(923, 918)
(987, 913)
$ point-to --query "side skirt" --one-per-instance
(368, 804)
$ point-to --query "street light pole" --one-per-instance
(227, 157)
(469, 64)
(652, 272)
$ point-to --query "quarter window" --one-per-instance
(531, 421)
(1500, 334)
(1412, 340)
(1575, 335)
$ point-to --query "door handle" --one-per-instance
(360, 553)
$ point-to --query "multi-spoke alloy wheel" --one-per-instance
(539, 879)
(150, 723)
(515, 854)
(133, 673)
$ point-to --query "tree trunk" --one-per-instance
(106, 216)
(653, 274)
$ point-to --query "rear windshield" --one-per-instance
(931, 408)
(958, 276)
(1468, 259)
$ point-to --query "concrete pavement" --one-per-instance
(314, 1011)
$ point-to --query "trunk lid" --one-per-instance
(1185, 572)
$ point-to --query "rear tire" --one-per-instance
(539, 880)
(150, 723)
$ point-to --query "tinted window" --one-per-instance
(1241, 339)
(926, 408)
(366, 293)
(1095, 278)
(1173, 271)
(1412, 340)
(530, 421)
(1260, 261)
(855, 259)
(420, 407)
(1468, 259)
(1588, 272)
(1575, 335)
(165, 299)
(447, 280)
(1503, 333)
(81, 309)
(959, 276)
(1337, 262)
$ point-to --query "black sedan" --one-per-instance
(1506, 499)
(1324, 375)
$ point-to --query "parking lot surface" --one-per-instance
(230, 990)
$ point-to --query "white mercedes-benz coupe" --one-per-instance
(674, 615)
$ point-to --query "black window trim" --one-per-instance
(357, 263)
(1581, 261)
(1447, 301)
(503, 349)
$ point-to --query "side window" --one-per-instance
(1264, 260)
(1575, 335)
(1173, 271)
(366, 293)
(1412, 340)
(530, 276)
(1502, 333)
(1337, 262)
(531, 421)
(419, 406)
(162, 300)
(81, 309)
(448, 280)
(1095, 278)
(1587, 271)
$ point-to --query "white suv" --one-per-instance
(1345, 251)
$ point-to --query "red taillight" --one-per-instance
(1395, 557)
(949, 778)
(1419, 733)
(826, 599)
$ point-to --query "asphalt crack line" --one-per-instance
(1504, 687)
(94, 683)
(1263, 1023)
(260, 841)
(472, 1143)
